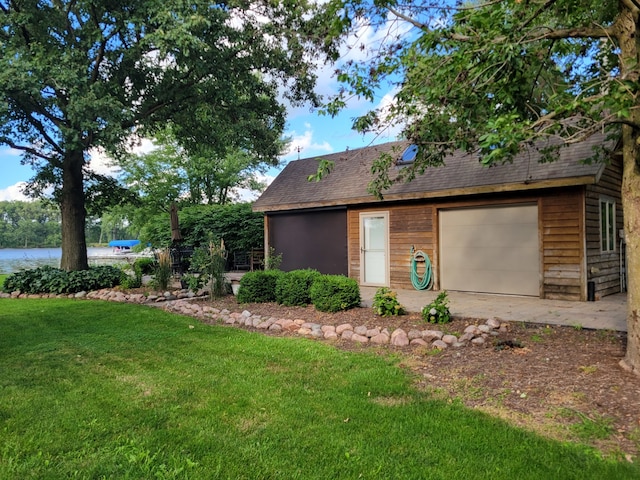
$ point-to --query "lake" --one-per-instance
(15, 259)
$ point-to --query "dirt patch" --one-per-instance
(562, 382)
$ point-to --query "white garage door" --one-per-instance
(490, 249)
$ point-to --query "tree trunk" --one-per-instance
(625, 29)
(631, 209)
(73, 213)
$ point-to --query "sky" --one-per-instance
(311, 134)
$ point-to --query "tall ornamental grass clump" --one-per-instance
(258, 286)
(209, 263)
(293, 288)
(332, 293)
(162, 274)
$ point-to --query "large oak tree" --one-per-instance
(79, 74)
(497, 76)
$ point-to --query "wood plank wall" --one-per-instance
(408, 225)
(604, 267)
(563, 234)
(561, 231)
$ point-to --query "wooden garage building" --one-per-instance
(526, 228)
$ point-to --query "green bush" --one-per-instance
(332, 293)
(54, 280)
(438, 310)
(385, 303)
(292, 288)
(144, 266)
(129, 281)
(259, 286)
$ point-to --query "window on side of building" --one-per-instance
(607, 224)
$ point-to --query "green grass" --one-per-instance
(101, 390)
(2, 277)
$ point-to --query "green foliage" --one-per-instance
(144, 266)
(162, 274)
(29, 224)
(491, 78)
(293, 288)
(385, 303)
(193, 282)
(76, 76)
(128, 281)
(199, 175)
(332, 293)
(54, 280)
(438, 310)
(240, 227)
(209, 262)
(259, 286)
(273, 260)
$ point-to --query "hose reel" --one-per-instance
(420, 282)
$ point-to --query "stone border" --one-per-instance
(178, 301)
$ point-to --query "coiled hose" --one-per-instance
(420, 283)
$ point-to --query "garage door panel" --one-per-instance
(488, 235)
(490, 249)
(509, 259)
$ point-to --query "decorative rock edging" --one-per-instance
(179, 302)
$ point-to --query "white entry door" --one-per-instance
(374, 246)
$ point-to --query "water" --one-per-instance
(16, 259)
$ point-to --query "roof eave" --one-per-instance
(453, 192)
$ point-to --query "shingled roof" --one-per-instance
(461, 175)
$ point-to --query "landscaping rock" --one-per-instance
(493, 323)
(341, 328)
(399, 338)
(380, 339)
(449, 339)
(361, 330)
(439, 344)
(359, 338)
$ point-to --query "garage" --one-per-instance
(490, 249)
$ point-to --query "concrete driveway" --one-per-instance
(610, 313)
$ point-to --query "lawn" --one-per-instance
(102, 390)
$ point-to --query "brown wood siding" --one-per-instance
(603, 268)
(409, 225)
(561, 234)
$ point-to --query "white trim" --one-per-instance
(362, 217)
(608, 234)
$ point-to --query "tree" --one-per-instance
(77, 75)
(496, 77)
(170, 172)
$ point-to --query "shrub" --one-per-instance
(146, 266)
(209, 263)
(438, 310)
(54, 280)
(129, 281)
(332, 293)
(258, 286)
(385, 303)
(292, 288)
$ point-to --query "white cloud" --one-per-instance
(102, 164)
(302, 145)
(246, 195)
(14, 193)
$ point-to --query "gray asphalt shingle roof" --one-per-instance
(462, 174)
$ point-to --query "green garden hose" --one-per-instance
(420, 283)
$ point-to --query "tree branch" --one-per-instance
(24, 148)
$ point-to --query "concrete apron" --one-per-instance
(609, 313)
